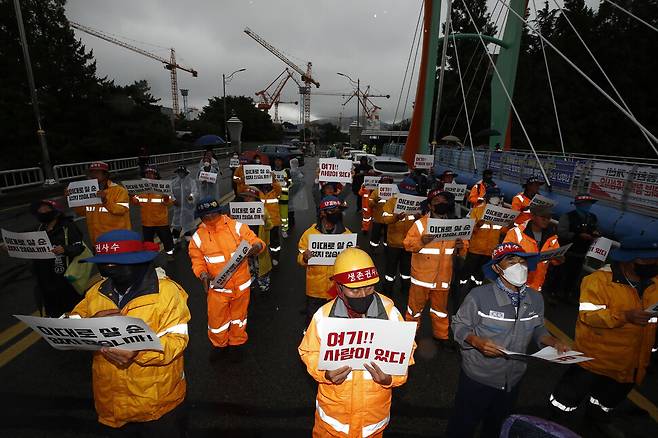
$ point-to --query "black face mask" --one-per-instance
(334, 218)
(46, 218)
(443, 208)
(488, 179)
(122, 276)
(645, 272)
(361, 304)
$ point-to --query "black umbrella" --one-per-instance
(489, 132)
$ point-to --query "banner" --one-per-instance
(124, 332)
(498, 215)
(81, 193)
(408, 203)
(249, 213)
(553, 253)
(353, 342)
(326, 247)
(450, 229)
(335, 170)
(239, 256)
(256, 174)
(459, 190)
(387, 191)
(600, 248)
(561, 173)
(541, 201)
(209, 177)
(234, 163)
(162, 186)
(371, 182)
(423, 161)
(280, 176)
(608, 181)
(32, 245)
(137, 186)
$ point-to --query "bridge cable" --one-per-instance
(651, 26)
(583, 74)
(461, 85)
(607, 78)
(411, 80)
(516, 113)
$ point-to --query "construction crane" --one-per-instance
(307, 77)
(267, 99)
(369, 108)
(169, 64)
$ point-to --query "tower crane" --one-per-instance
(268, 99)
(306, 75)
(169, 64)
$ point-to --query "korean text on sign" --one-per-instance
(239, 256)
(498, 215)
(335, 170)
(408, 203)
(459, 190)
(600, 248)
(249, 213)
(387, 191)
(554, 253)
(353, 342)
(255, 174)
(160, 186)
(371, 182)
(209, 177)
(81, 193)
(280, 176)
(137, 186)
(450, 229)
(542, 201)
(423, 161)
(326, 247)
(122, 332)
(32, 245)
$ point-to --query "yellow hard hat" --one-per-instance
(354, 269)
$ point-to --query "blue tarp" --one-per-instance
(209, 140)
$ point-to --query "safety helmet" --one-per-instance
(354, 268)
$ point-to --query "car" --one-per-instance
(286, 152)
(357, 155)
(394, 167)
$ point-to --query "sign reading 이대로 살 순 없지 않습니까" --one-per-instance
(326, 247)
(31, 245)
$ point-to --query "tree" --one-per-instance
(257, 124)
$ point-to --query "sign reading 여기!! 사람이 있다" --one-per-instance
(387, 191)
(335, 170)
(424, 161)
(600, 248)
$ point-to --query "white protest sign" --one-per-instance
(335, 170)
(408, 203)
(326, 247)
(450, 229)
(255, 174)
(550, 354)
(32, 245)
(600, 248)
(234, 163)
(423, 161)
(209, 177)
(123, 332)
(81, 193)
(387, 191)
(498, 215)
(137, 186)
(542, 201)
(239, 256)
(553, 253)
(371, 182)
(160, 186)
(355, 341)
(250, 213)
(459, 190)
(280, 176)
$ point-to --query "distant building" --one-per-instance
(193, 113)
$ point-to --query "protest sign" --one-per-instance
(239, 256)
(326, 247)
(335, 170)
(32, 245)
(541, 201)
(423, 161)
(353, 342)
(371, 182)
(450, 229)
(387, 191)
(613, 181)
(600, 248)
(209, 177)
(280, 176)
(459, 190)
(255, 174)
(81, 193)
(550, 354)
(123, 332)
(408, 203)
(160, 186)
(553, 253)
(234, 163)
(137, 186)
(498, 215)
(249, 213)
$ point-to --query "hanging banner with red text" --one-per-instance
(353, 342)
(608, 181)
(335, 170)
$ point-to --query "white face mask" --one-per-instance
(495, 201)
(516, 274)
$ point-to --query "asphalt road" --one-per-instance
(264, 391)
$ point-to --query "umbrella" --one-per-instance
(489, 132)
(451, 138)
(209, 140)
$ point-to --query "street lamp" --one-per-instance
(224, 80)
(358, 94)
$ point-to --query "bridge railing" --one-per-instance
(16, 178)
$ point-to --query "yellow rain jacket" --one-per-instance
(377, 206)
(153, 208)
(271, 201)
(397, 229)
(113, 214)
(154, 383)
(486, 236)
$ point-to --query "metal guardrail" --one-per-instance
(16, 178)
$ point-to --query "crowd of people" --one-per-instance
(485, 294)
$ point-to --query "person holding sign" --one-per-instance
(154, 209)
(211, 248)
(318, 277)
(185, 190)
(616, 326)
(298, 198)
(486, 236)
(366, 213)
(431, 266)
(113, 212)
(538, 234)
(521, 202)
(502, 315)
(479, 189)
(376, 204)
(282, 176)
(234, 165)
(398, 224)
(260, 266)
(358, 174)
(208, 166)
(269, 194)
(352, 403)
(578, 227)
(142, 389)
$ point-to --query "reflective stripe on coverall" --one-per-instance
(366, 217)
(521, 202)
(153, 209)
(113, 214)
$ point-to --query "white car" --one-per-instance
(356, 157)
(394, 167)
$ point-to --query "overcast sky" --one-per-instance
(368, 39)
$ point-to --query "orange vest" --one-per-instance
(477, 193)
(520, 203)
(486, 236)
(376, 206)
(517, 235)
(114, 214)
(154, 209)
